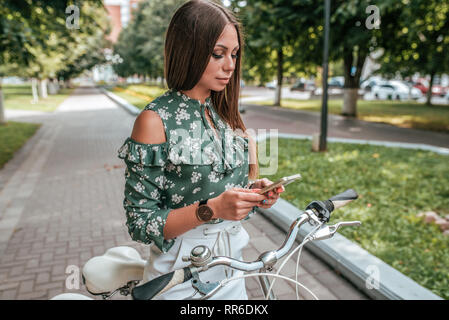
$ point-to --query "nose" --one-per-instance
(229, 64)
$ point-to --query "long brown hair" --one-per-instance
(190, 39)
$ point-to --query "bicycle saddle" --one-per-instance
(118, 266)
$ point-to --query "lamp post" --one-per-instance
(323, 133)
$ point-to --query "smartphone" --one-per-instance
(281, 182)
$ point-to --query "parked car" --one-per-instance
(446, 96)
(437, 90)
(369, 83)
(303, 85)
(336, 82)
(395, 90)
(421, 86)
(271, 84)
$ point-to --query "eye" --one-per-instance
(217, 56)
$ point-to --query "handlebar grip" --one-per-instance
(343, 198)
(159, 285)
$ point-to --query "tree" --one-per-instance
(272, 38)
(353, 30)
(421, 33)
(29, 31)
(298, 24)
(141, 43)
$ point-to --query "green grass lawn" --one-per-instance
(12, 136)
(138, 95)
(394, 185)
(402, 114)
(20, 96)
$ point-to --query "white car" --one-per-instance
(272, 84)
(369, 83)
(395, 90)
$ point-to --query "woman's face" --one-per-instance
(222, 62)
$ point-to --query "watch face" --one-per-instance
(205, 213)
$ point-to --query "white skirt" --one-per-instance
(227, 238)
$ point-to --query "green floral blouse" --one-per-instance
(192, 165)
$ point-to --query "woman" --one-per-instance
(187, 159)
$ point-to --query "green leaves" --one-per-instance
(418, 32)
(141, 43)
(34, 34)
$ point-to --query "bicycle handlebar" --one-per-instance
(316, 209)
(161, 284)
(343, 198)
(323, 209)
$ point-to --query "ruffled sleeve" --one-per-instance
(146, 210)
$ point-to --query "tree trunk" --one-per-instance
(350, 96)
(429, 91)
(2, 112)
(43, 88)
(34, 90)
(352, 82)
(280, 75)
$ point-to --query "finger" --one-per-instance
(266, 203)
(272, 194)
(254, 190)
(266, 182)
(243, 190)
(252, 196)
(280, 189)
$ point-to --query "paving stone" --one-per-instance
(36, 295)
(43, 277)
(339, 286)
(8, 285)
(9, 294)
(312, 264)
(51, 285)
(26, 286)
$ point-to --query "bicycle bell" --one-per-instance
(200, 256)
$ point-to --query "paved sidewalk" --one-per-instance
(61, 204)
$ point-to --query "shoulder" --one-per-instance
(148, 128)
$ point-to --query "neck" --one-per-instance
(198, 94)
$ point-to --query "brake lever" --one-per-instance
(329, 231)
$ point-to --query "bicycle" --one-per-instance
(317, 213)
(120, 269)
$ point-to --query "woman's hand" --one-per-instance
(272, 195)
(235, 203)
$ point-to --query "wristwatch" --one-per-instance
(204, 213)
